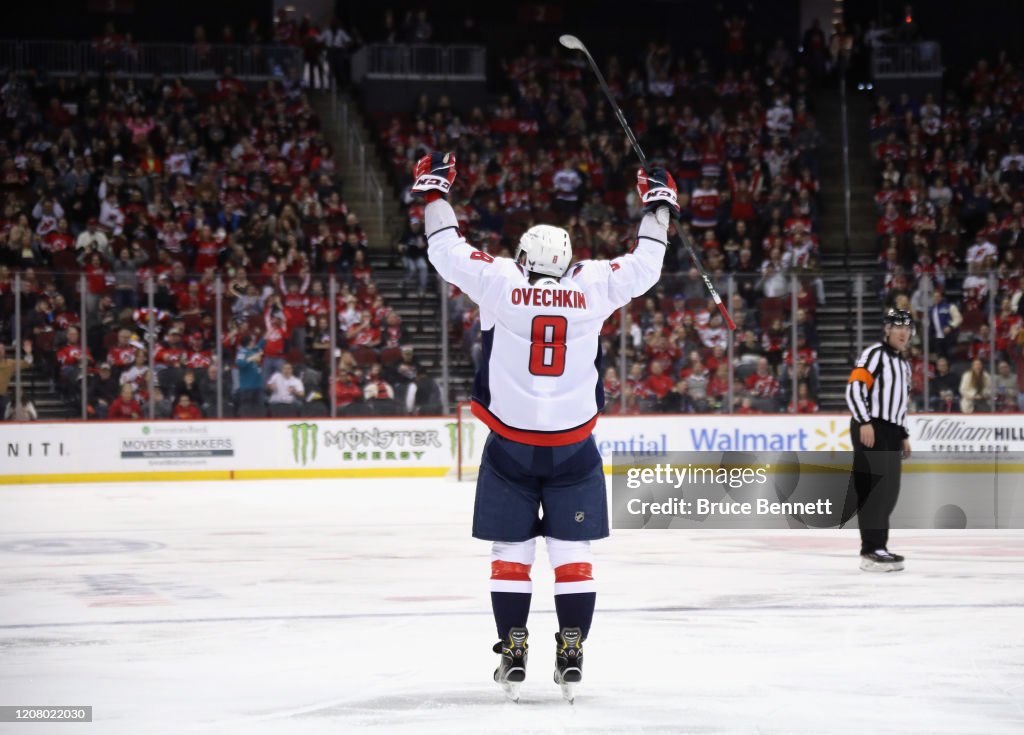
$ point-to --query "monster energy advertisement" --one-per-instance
(312, 443)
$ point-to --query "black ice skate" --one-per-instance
(511, 669)
(881, 560)
(568, 661)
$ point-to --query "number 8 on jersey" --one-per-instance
(547, 347)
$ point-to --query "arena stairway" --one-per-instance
(39, 389)
(836, 321)
(421, 317)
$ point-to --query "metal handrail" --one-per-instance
(420, 61)
(918, 59)
(356, 155)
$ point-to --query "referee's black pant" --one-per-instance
(876, 481)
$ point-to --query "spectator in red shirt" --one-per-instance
(186, 410)
(122, 355)
(660, 385)
(612, 388)
(363, 334)
(124, 407)
(379, 394)
(275, 339)
(347, 393)
(891, 222)
(804, 403)
(763, 386)
(95, 280)
(59, 239)
(747, 407)
(718, 386)
(296, 305)
(209, 246)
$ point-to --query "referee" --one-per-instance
(878, 394)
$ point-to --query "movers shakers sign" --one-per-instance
(172, 443)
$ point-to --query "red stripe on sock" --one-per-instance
(574, 573)
(510, 570)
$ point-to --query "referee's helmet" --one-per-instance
(899, 318)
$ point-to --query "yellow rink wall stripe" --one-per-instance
(341, 472)
(207, 475)
(65, 477)
(385, 472)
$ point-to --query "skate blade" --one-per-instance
(866, 565)
(511, 689)
(567, 682)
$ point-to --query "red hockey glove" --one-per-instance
(433, 175)
(657, 188)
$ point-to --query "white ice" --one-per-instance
(355, 606)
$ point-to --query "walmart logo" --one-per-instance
(835, 438)
(303, 442)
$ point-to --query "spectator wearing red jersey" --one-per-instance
(763, 386)
(125, 407)
(275, 339)
(208, 248)
(392, 334)
(612, 388)
(69, 363)
(363, 334)
(747, 407)
(192, 304)
(122, 355)
(378, 393)
(172, 351)
(704, 203)
(804, 402)
(891, 222)
(361, 271)
(659, 385)
(718, 386)
(59, 239)
(295, 304)
(196, 357)
(95, 280)
(186, 410)
(347, 393)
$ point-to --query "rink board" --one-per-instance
(44, 452)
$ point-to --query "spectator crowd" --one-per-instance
(950, 228)
(111, 184)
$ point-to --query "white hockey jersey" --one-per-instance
(539, 380)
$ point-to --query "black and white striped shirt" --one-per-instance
(879, 386)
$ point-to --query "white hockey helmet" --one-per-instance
(547, 250)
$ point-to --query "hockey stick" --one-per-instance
(571, 42)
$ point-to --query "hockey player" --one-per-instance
(539, 390)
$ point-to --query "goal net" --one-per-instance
(470, 434)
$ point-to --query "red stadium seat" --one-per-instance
(390, 356)
(110, 340)
(973, 319)
(365, 356)
(295, 357)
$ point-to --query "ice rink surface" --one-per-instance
(352, 606)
